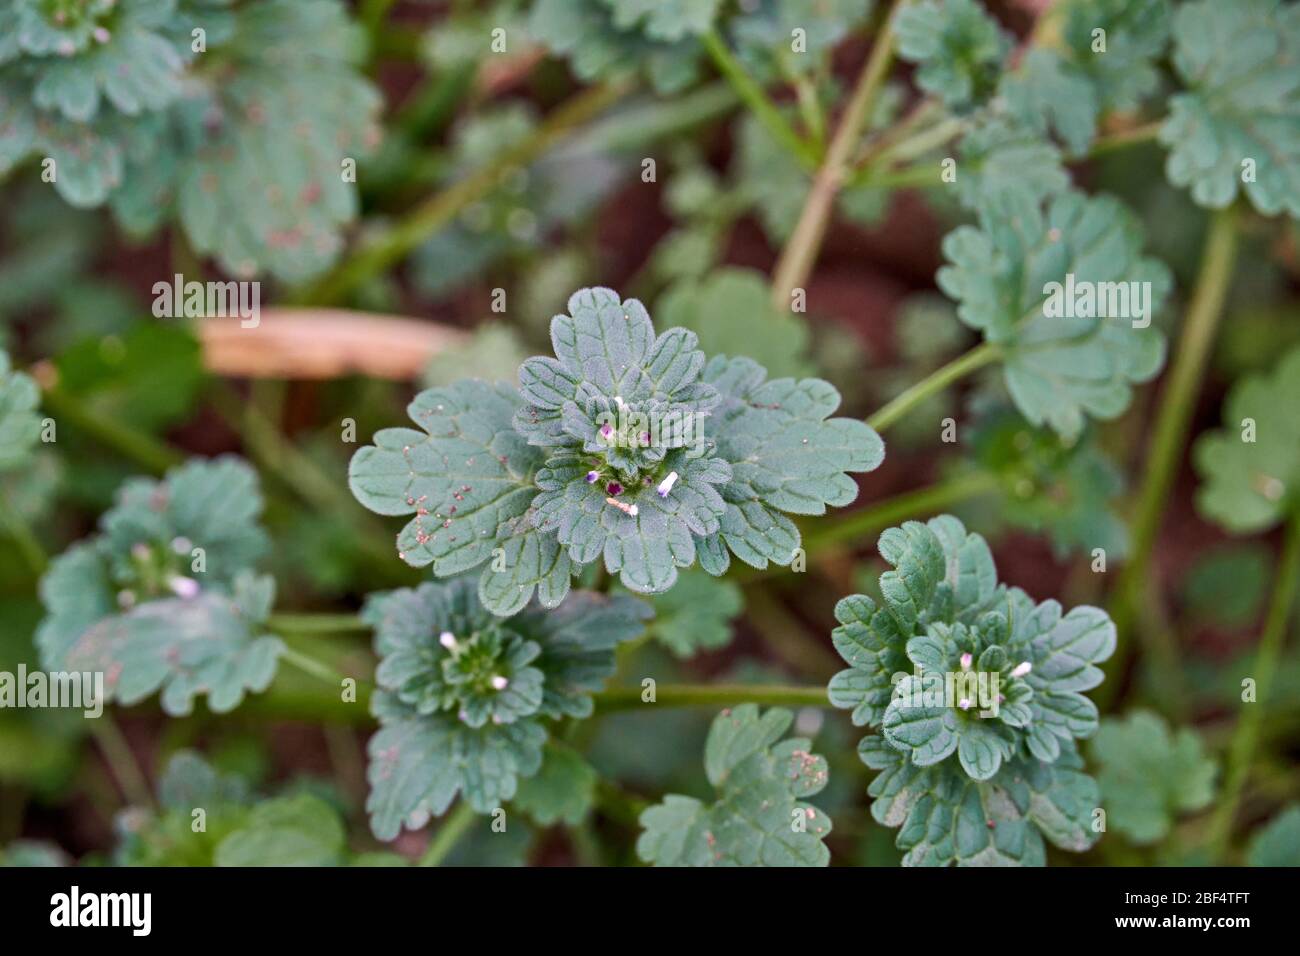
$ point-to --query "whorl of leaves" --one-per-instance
(977, 692)
(465, 697)
(626, 447)
(164, 597)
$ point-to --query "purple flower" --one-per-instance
(592, 476)
(614, 489)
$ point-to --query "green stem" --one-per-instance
(711, 695)
(29, 546)
(436, 212)
(141, 448)
(316, 623)
(891, 511)
(310, 665)
(1245, 739)
(797, 258)
(1177, 403)
(445, 838)
(121, 761)
(753, 96)
(922, 142)
(933, 383)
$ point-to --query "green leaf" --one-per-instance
(999, 157)
(759, 818)
(299, 830)
(1250, 469)
(786, 455)
(585, 31)
(467, 458)
(730, 311)
(764, 33)
(1242, 110)
(668, 20)
(282, 124)
(1226, 586)
(696, 614)
(958, 47)
(1017, 279)
(1149, 776)
(563, 790)
(1278, 843)
(20, 423)
(464, 694)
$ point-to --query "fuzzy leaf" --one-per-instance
(1277, 843)
(786, 455)
(1251, 469)
(1059, 367)
(696, 614)
(585, 31)
(1149, 775)
(959, 49)
(759, 818)
(1243, 105)
(563, 790)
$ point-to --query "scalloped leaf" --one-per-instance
(1150, 775)
(1243, 104)
(957, 46)
(1250, 470)
(759, 818)
(563, 790)
(1011, 273)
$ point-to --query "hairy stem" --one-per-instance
(797, 259)
(934, 383)
(1245, 739)
(445, 838)
(711, 695)
(1145, 133)
(1177, 403)
(436, 212)
(753, 96)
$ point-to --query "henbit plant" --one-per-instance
(164, 598)
(466, 698)
(625, 447)
(237, 118)
(981, 778)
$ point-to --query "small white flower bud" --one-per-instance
(966, 660)
(499, 682)
(447, 640)
(1021, 669)
(666, 485)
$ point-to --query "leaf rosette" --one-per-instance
(977, 692)
(626, 447)
(164, 598)
(466, 697)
